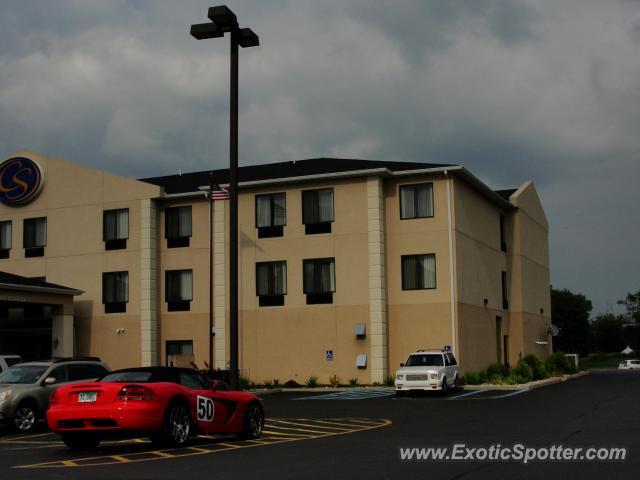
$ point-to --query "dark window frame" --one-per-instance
(177, 241)
(315, 296)
(271, 231)
(415, 200)
(34, 250)
(435, 272)
(177, 304)
(119, 306)
(5, 252)
(116, 243)
(272, 299)
(503, 233)
(505, 292)
(324, 226)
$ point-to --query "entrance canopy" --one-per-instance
(36, 317)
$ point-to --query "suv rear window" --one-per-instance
(425, 360)
(84, 371)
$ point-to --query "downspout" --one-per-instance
(451, 268)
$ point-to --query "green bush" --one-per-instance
(245, 383)
(334, 380)
(522, 372)
(390, 381)
(312, 381)
(473, 378)
(276, 383)
(537, 366)
(291, 384)
(496, 372)
(268, 384)
(353, 382)
(558, 364)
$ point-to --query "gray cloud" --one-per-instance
(541, 90)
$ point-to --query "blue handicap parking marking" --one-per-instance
(350, 395)
(487, 394)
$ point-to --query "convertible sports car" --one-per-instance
(168, 404)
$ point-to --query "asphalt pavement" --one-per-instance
(350, 436)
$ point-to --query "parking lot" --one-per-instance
(358, 435)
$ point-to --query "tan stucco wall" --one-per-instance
(73, 199)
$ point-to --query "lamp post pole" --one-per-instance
(224, 20)
(233, 212)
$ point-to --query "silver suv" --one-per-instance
(427, 370)
(25, 387)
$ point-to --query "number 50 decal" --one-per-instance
(205, 409)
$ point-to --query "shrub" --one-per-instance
(496, 372)
(353, 382)
(537, 366)
(276, 383)
(389, 381)
(268, 384)
(558, 364)
(312, 381)
(245, 383)
(522, 372)
(473, 378)
(291, 384)
(334, 380)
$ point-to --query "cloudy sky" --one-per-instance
(512, 89)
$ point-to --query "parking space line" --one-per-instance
(276, 427)
(314, 426)
(468, 394)
(510, 394)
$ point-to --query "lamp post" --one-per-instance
(223, 20)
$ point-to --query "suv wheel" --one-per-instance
(445, 387)
(25, 417)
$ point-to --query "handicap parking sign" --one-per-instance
(329, 355)
(446, 348)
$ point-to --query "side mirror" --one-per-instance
(402, 364)
(50, 380)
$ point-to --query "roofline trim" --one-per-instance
(36, 289)
(484, 189)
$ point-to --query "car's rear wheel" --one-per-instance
(253, 422)
(176, 427)
(80, 441)
(25, 418)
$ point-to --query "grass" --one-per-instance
(603, 360)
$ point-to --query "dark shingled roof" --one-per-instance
(19, 281)
(506, 193)
(189, 182)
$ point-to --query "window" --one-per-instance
(419, 272)
(5, 238)
(115, 291)
(271, 283)
(503, 236)
(271, 214)
(179, 290)
(505, 301)
(84, 371)
(60, 374)
(319, 281)
(317, 210)
(425, 360)
(192, 381)
(179, 353)
(416, 201)
(177, 223)
(35, 236)
(115, 228)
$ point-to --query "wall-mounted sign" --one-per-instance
(329, 355)
(21, 180)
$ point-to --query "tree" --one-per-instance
(570, 313)
(608, 333)
(632, 306)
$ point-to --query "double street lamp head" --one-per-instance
(223, 20)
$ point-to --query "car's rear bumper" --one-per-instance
(132, 417)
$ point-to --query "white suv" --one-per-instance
(427, 370)
(629, 365)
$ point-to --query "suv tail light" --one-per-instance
(54, 398)
(135, 392)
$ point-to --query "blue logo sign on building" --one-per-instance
(21, 180)
(329, 355)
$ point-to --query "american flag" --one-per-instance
(222, 193)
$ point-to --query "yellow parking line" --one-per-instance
(329, 422)
(312, 426)
(270, 432)
(202, 449)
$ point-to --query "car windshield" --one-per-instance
(24, 374)
(127, 376)
(425, 360)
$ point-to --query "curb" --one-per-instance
(527, 386)
(266, 391)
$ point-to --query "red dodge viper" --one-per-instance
(168, 404)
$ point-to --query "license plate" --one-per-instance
(87, 397)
